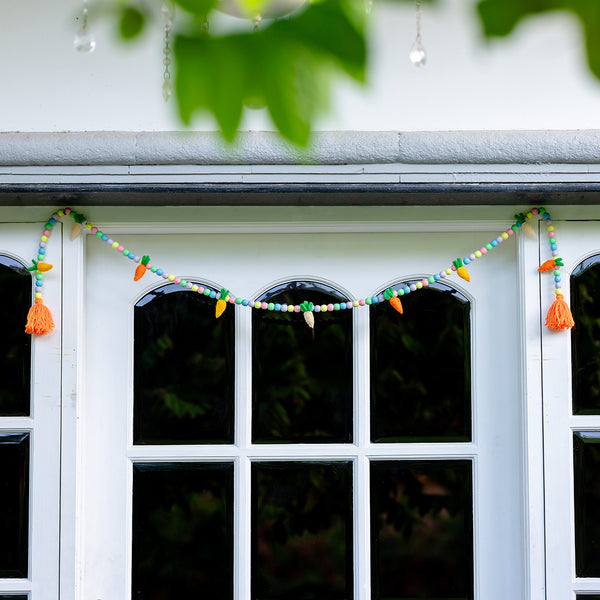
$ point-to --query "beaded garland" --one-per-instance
(457, 266)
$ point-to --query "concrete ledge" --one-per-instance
(328, 148)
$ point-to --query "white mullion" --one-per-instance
(362, 429)
(362, 529)
(243, 377)
(242, 528)
(16, 424)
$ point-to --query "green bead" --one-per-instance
(514, 227)
(238, 300)
(368, 301)
(431, 280)
(125, 252)
(39, 276)
(400, 292)
(48, 226)
(183, 283)
(488, 246)
(206, 292)
(553, 240)
(154, 269)
(336, 307)
(556, 272)
(270, 306)
(40, 257)
(99, 234)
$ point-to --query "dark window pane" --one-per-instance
(586, 457)
(302, 531)
(184, 369)
(587, 597)
(182, 531)
(15, 344)
(302, 380)
(14, 504)
(421, 368)
(585, 338)
(9, 597)
(421, 530)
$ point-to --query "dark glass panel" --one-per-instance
(587, 597)
(586, 458)
(15, 344)
(585, 337)
(421, 368)
(182, 531)
(302, 531)
(14, 504)
(12, 597)
(184, 369)
(302, 379)
(421, 530)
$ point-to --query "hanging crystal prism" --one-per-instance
(84, 39)
(417, 54)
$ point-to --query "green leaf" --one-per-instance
(200, 8)
(131, 23)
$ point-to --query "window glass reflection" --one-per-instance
(183, 369)
(421, 367)
(302, 379)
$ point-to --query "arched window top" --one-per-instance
(183, 370)
(15, 344)
(421, 367)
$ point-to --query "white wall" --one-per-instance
(535, 80)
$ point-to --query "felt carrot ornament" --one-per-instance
(77, 226)
(526, 228)
(307, 310)
(221, 303)
(42, 267)
(141, 268)
(393, 300)
(461, 270)
(551, 264)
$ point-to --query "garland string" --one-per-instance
(39, 319)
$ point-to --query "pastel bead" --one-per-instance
(472, 256)
(380, 298)
(171, 277)
(104, 238)
(419, 285)
(40, 257)
(361, 302)
(48, 225)
(130, 255)
(39, 283)
(466, 261)
(297, 308)
(67, 211)
(504, 235)
(425, 282)
(432, 279)
(374, 299)
(509, 231)
(554, 252)
(546, 216)
(44, 238)
(535, 212)
(330, 307)
(137, 259)
(46, 232)
(39, 276)
(245, 302)
(38, 289)
(154, 269)
(238, 300)
(38, 295)
(213, 294)
(183, 283)
(557, 285)
(491, 245)
(194, 288)
(514, 227)
(342, 306)
(550, 227)
(483, 250)
(119, 248)
(529, 214)
(552, 240)
(264, 305)
(159, 272)
(406, 289)
(291, 308)
(400, 292)
(368, 301)
(336, 306)
(165, 276)
(448, 271)
(556, 272)
(557, 278)
(553, 247)
(110, 242)
(349, 304)
(257, 304)
(317, 308)
(499, 239)
(558, 291)
(94, 230)
(42, 251)
(61, 212)
(175, 279)
(436, 277)
(88, 226)
(42, 244)
(270, 306)
(277, 307)
(413, 287)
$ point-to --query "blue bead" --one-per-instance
(278, 307)
(244, 302)
(466, 261)
(159, 272)
(406, 290)
(553, 246)
(52, 221)
(557, 278)
(104, 238)
(213, 294)
(546, 216)
(437, 277)
(39, 282)
(342, 306)
(131, 256)
(42, 251)
(494, 243)
(374, 299)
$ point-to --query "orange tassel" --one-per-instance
(559, 315)
(39, 319)
(395, 303)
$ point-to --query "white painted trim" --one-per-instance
(355, 147)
